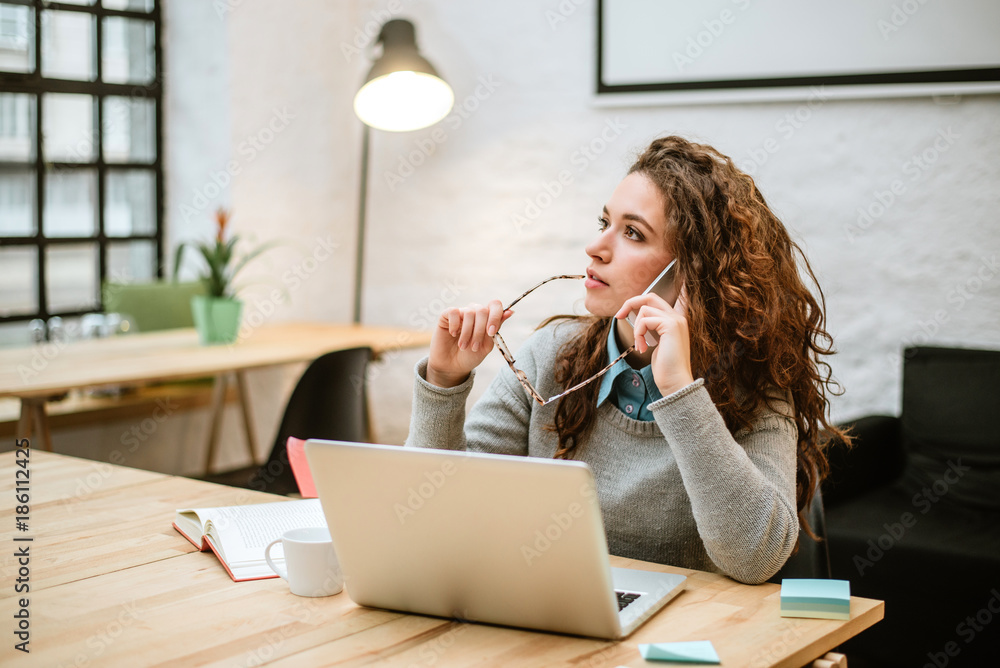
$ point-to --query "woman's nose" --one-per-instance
(598, 248)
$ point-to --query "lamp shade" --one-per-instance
(402, 91)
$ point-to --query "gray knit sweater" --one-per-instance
(680, 490)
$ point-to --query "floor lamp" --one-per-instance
(402, 92)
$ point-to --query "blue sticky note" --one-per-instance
(826, 599)
(695, 651)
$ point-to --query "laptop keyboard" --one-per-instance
(625, 598)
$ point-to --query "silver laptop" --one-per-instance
(516, 541)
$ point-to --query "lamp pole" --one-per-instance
(401, 92)
(359, 259)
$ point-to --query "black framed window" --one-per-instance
(81, 177)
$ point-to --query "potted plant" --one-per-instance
(217, 313)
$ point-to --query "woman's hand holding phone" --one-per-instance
(461, 340)
(671, 359)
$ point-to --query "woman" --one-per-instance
(705, 448)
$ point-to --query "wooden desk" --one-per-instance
(38, 373)
(113, 584)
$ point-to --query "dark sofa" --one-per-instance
(913, 515)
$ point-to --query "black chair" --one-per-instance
(329, 401)
(913, 514)
(812, 558)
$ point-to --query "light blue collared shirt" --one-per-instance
(632, 391)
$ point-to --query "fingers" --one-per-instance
(479, 328)
(475, 325)
(635, 303)
(496, 317)
(648, 320)
(472, 327)
(454, 317)
(469, 315)
(654, 315)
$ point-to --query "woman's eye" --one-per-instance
(602, 224)
(632, 233)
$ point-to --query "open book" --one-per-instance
(239, 534)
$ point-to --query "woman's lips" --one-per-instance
(593, 281)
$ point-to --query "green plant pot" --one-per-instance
(217, 319)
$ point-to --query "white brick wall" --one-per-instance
(444, 224)
(451, 219)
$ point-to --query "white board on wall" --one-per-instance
(868, 47)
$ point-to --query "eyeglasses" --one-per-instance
(523, 378)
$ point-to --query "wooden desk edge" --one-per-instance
(866, 612)
(395, 339)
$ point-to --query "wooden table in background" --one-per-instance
(113, 584)
(35, 374)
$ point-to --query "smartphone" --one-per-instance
(664, 285)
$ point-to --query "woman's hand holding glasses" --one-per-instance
(461, 340)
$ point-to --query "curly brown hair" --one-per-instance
(757, 332)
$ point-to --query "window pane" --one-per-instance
(18, 280)
(17, 38)
(71, 277)
(68, 45)
(70, 203)
(15, 334)
(130, 5)
(132, 261)
(17, 203)
(68, 127)
(129, 202)
(129, 129)
(17, 126)
(128, 51)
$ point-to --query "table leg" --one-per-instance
(241, 386)
(24, 424)
(370, 421)
(42, 423)
(218, 406)
(33, 420)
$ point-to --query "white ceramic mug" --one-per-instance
(311, 563)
